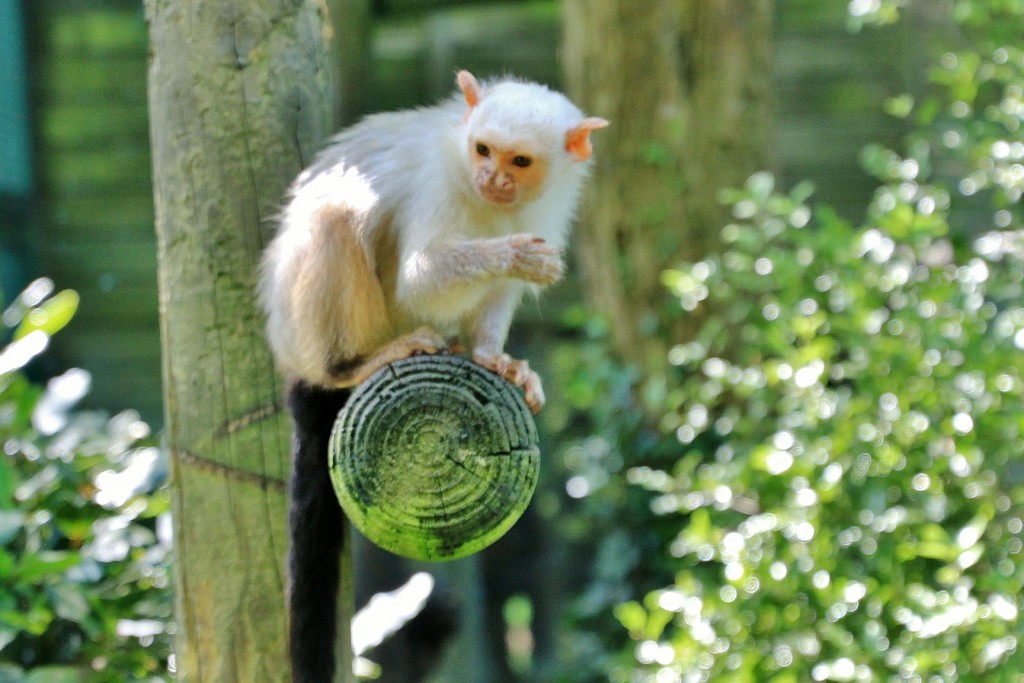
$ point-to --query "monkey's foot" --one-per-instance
(517, 372)
(422, 341)
(456, 346)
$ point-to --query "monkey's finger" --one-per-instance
(497, 363)
(518, 372)
(533, 392)
(543, 271)
(542, 248)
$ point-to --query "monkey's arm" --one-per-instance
(442, 273)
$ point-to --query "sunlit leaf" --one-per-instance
(761, 185)
(900, 106)
(51, 316)
(632, 616)
(945, 552)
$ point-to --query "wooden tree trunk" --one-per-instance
(239, 97)
(686, 86)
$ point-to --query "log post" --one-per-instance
(434, 457)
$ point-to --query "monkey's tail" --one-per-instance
(316, 529)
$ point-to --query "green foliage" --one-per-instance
(848, 485)
(84, 576)
(833, 471)
(978, 112)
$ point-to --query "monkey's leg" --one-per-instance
(488, 329)
(359, 369)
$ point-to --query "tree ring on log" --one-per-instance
(434, 457)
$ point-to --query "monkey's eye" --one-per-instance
(483, 150)
(521, 161)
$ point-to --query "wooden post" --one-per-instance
(435, 458)
(239, 101)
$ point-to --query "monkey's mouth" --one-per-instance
(497, 195)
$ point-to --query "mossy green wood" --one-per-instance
(434, 457)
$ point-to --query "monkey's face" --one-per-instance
(506, 176)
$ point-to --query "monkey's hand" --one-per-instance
(534, 260)
(517, 372)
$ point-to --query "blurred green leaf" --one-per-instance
(11, 522)
(900, 106)
(55, 674)
(51, 316)
(7, 636)
(69, 602)
(632, 616)
(7, 486)
(34, 619)
(36, 566)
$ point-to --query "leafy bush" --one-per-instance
(850, 482)
(834, 470)
(84, 550)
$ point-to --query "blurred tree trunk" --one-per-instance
(239, 98)
(351, 54)
(686, 86)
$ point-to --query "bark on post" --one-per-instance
(239, 97)
(686, 86)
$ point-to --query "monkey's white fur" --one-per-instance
(386, 234)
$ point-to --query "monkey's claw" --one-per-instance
(518, 373)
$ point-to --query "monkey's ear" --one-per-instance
(577, 140)
(469, 87)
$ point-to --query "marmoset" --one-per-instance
(408, 229)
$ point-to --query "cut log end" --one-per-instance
(434, 457)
